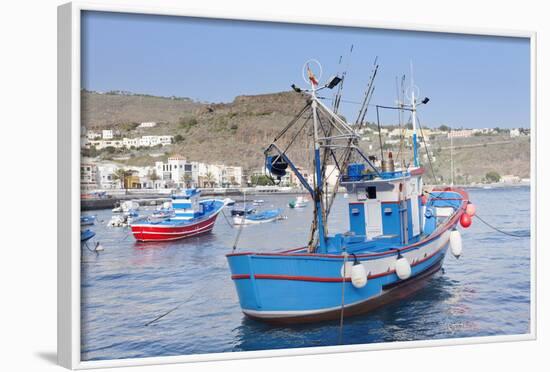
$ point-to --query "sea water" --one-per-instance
(129, 285)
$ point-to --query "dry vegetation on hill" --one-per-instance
(236, 133)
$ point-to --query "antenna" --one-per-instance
(338, 95)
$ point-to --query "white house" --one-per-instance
(91, 135)
(88, 176)
(232, 176)
(178, 172)
(129, 142)
(106, 177)
(148, 124)
(100, 144)
(515, 132)
(210, 175)
(464, 133)
(107, 134)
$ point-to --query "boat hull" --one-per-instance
(299, 287)
(241, 220)
(401, 291)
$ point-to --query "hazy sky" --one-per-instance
(472, 81)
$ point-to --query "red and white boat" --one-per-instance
(191, 217)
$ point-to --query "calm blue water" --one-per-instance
(486, 292)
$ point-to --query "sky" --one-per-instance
(472, 81)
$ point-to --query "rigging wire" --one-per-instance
(292, 122)
(426, 149)
(379, 133)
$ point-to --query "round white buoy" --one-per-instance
(456, 243)
(358, 275)
(403, 268)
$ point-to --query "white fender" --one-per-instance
(403, 268)
(358, 275)
(455, 242)
(348, 268)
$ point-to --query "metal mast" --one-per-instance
(413, 106)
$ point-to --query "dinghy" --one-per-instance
(86, 235)
(269, 215)
(87, 220)
(299, 202)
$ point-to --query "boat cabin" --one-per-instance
(186, 204)
(382, 207)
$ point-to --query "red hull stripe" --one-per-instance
(327, 280)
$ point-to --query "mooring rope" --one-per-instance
(162, 316)
(227, 220)
(243, 217)
(487, 223)
(527, 235)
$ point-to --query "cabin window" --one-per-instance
(371, 192)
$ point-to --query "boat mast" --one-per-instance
(319, 176)
(413, 106)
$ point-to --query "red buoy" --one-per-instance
(465, 220)
(470, 209)
(423, 199)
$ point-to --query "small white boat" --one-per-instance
(118, 220)
(125, 219)
(299, 202)
(258, 202)
(126, 206)
(228, 202)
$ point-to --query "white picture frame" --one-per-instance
(68, 260)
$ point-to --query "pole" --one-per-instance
(319, 176)
(413, 105)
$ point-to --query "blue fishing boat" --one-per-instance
(87, 220)
(241, 211)
(268, 215)
(86, 235)
(398, 235)
(192, 217)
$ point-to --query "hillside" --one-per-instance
(236, 133)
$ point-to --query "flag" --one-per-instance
(311, 77)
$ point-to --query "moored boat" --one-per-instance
(241, 211)
(269, 215)
(397, 238)
(299, 202)
(192, 217)
(86, 235)
(87, 220)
